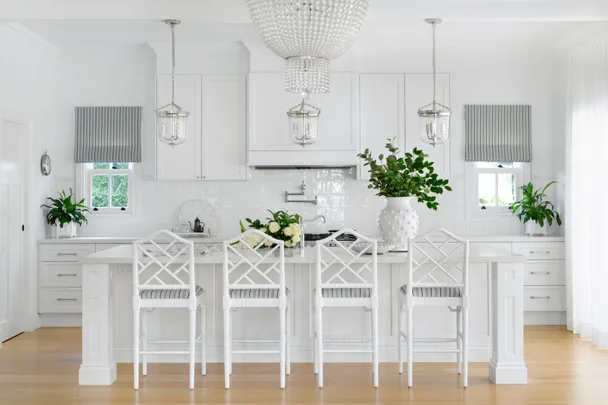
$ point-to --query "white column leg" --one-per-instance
(375, 344)
(399, 336)
(507, 365)
(319, 319)
(282, 339)
(227, 348)
(410, 346)
(144, 327)
(136, 336)
(459, 339)
(192, 345)
(98, 366)
(203, 339)
(288, 341)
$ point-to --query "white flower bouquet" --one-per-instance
(282, 226)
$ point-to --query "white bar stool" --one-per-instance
(437, 275)
(164, 277)
(254, 277)
(346, 275)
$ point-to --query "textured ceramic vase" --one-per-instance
(398, 222)
(534, 229)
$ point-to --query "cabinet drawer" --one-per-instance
(100, 247)
(540, 250)
(545, 299)
(58, 274)
(59, 301)
(545, 273)
(65, 253)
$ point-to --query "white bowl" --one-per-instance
(383, 247)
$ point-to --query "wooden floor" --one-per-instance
(42, 367)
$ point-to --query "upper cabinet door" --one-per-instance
(182, 162)
(269, 103)
(419, 92)
(224, 127)
(382, 113)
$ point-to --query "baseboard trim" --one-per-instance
(545, 318)
(60, 320)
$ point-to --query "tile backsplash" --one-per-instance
(343, 200)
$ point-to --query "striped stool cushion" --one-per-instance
(256, 293)
(168, 294)
(346, 292)
(437, 292)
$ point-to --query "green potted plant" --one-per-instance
(401, 178)
(534, 210)
(64, 214)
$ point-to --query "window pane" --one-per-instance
(99, 191)
(120, 190)
(120, 165)
(101, 165)
(506, 189)
(487, 189)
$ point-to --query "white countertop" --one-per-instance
(477, 254)
(219, 239)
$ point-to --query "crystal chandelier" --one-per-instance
(303, 122)
(171, 118)
(434, 123)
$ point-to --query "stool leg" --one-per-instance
(465, 347)
(375, 344)
(459, 340)
(315, 344)
(227, 348)
(410, 344)
(320, 346)
(282, 338)
(192, 345)
(144, 327)
(400, 337)
(288, 341)
(203, 339)
(136, 320)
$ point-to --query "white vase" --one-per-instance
(398, 222)
(68, 231)
(534, 229)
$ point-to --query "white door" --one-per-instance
(224, 127)
(182, 162)
(13, 141)
(382, 113)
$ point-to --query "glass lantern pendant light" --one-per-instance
(434, 122)
(171, 118)
(303, 122)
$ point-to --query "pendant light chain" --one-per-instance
(173, 63)
(434, 68)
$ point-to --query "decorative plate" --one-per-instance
(202, 210)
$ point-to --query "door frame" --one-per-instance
(29, 284)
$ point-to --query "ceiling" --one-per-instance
(389, 22)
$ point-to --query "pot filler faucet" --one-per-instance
(301, 193)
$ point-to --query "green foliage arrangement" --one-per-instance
(407, 175)
(63, 211)
(281, 225)
(535, 207)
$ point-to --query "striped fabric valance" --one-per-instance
(108, 134)
(498, 133)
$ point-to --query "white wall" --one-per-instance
(104, 76)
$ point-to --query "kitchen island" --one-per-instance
(495, 308)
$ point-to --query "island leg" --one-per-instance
(507, 365)
(98, 366)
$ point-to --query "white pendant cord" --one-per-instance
(173, 63)
(434, 68)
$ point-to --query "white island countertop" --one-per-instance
(477, 254)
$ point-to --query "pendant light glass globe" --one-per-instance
(171, 118)
(434, 117)
(303, 123)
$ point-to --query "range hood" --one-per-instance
(297, 167)
(303, 159)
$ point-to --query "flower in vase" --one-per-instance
(274, 227)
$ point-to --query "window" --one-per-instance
(109, 187)
(493, 187)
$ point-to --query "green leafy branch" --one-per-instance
(63, 211)
(535, 207)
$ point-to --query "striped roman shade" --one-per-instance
(498, 133)
(108, 134)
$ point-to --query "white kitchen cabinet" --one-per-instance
(382, 113)
(269, 139)
(419, 92)
(182, 162)
(215, 148)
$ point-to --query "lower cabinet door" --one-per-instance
(59, 301)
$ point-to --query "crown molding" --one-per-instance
(32, 35)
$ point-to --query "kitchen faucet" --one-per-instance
(315, 218)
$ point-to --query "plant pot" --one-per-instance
(534, 229)
(68, 230)
(398, 222)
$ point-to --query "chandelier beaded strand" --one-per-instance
(434, 123)
(171, 118)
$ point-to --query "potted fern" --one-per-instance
(535, 211)
(402, 178)
(64, 214)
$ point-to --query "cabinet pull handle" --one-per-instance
(67, 299)
(540, 272)
(546, 297)
(67, 254)
(540, 252)
(67, 275)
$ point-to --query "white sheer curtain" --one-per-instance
(587, 191)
